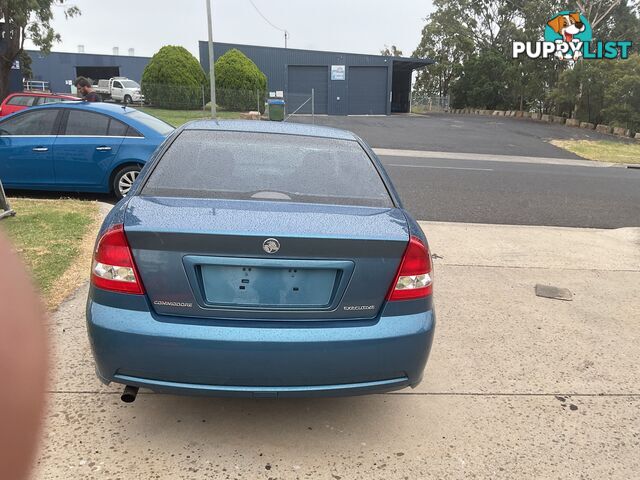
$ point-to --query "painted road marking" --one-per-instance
(387, 152)
(445, 168)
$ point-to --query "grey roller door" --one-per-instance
(301, 79)
(368, 90)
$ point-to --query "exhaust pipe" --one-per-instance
(129, 394)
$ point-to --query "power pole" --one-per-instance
(286, 37)
(212, 72)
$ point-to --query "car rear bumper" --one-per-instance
(260, 359)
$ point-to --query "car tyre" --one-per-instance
(123, 180)
(128, 99)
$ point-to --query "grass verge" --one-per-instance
(55, 239)
(602, 150)
(178, 117)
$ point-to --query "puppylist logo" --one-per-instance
(568, 36)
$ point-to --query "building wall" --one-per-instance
(274, 62)
(59, 67)
(370, 94)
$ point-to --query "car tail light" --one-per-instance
(113, 266)
(413, 280)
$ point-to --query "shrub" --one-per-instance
(174, 79)
(240, 85)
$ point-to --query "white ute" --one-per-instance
(120, 89)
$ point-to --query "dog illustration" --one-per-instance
(567, 25)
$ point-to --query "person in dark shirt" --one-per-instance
(86, 90)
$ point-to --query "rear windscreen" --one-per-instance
(263, 166)
(163, 128)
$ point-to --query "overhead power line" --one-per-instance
(285, 31)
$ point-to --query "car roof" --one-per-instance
(111, 108)
(40, 94)
(257, 126)
(84, 105)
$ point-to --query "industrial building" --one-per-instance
(60, 69)
(343, 83)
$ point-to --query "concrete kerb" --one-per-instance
(546, 118)
(603, 129)
(620, 131)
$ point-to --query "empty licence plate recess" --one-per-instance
(273, 287)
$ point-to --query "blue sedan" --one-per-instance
(77, 146)
(261, 259)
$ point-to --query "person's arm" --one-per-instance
(23, 366)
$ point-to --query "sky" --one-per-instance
(356, 26)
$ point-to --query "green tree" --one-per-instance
(484, 82)
(460, 30)
(609, 92)
(22, 20)
(391, 52)
(622, 24)
(174, 79)
(240, 85)
(25, 65)
(446, 41)
(599, 13)
(580, 91)
(471, 42)
(622, 94)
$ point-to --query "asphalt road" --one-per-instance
(460, 133)
(456, 190)
(517, 193)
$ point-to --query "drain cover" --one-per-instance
(549, 291)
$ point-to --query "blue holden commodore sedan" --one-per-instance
(261, 259)
(77, 146)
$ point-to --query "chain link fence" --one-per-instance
(300, 104)
(179, 97)
(197, 97)
(422, 103)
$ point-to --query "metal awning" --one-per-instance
(410, 64)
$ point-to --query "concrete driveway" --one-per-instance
(517, 386)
